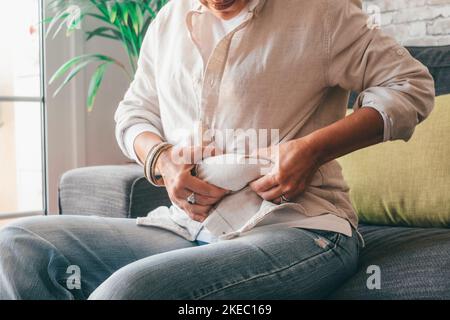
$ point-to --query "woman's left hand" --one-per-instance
(295, 163)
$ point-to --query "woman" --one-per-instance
(243, 65)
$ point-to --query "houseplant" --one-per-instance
(124, 21)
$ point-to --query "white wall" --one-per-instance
(76, 138)
(101, 146)
(415, 22)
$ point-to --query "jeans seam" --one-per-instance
(273, 272)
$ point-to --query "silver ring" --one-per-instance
(191, 198)
(284, 199)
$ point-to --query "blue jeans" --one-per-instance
(74, 257)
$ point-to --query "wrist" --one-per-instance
(164, 160)
(153, 156)
(314, 149)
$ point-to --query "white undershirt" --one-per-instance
(210, 29)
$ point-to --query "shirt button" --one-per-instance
(401, 52)
(211, 82)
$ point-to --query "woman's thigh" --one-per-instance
(277, 264)
(95, 246)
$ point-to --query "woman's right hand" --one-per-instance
(180, 184)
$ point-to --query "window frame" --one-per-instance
(41, 99)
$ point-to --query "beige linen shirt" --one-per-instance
(290, 67)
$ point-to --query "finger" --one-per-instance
(264, 184)
(272, 194)
(203, 188)
(199, 199)
(211, 151)
(197, 217)
(294, 193)
(278, 201)
(197, 209)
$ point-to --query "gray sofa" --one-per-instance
(415, 262)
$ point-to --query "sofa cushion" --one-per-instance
(414, 263)
(400, 183)
(110, 191)
(437, 59)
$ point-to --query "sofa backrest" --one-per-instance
(437, 59)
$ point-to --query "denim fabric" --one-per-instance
(119, 260)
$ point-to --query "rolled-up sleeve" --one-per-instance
(140, 104)
(366, 60)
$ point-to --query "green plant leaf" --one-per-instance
(59, 17)
(135, 16)
(112, 8)
(106, 32)
(125, 21)
(71, 75)
(74, 61)
(95, 83)
(125, 14)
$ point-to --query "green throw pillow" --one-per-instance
(398, 183)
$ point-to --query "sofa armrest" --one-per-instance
(109, 191)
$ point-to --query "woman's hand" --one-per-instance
(297, 161)
(295, 164)
(180, 183)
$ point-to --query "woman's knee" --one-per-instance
(126, 285)
(23, 245)
(167, 276)
(15, 234)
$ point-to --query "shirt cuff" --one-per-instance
(386, 119)
(131, 134)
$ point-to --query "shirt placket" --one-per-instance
(212, 74)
